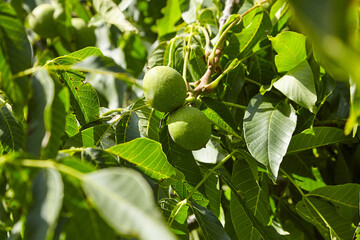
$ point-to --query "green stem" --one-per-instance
(172, 217)
(235, 105)
(305, 198)
(293, 182)
(252, 81)
(45, 164)
(208, 174)
(122, 109)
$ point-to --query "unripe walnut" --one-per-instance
(189, 128)
(41, 20)
(164, 88)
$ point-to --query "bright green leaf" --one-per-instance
(11, 132)
(290, 47)
(147, 155)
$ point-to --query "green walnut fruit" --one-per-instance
(84, 36)
(189, 128)
(41, 20)
(164, 88)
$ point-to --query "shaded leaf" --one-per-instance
(209, 224)
(89, 137)
(268, 127)
(317, 212)
(316, 137)
(344, 197)
(147, 155)
(220, 115)
(305, 176)
(125, 201)
(48, 193)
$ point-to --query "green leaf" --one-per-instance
(316, 137)
(261, 70)
(180, 158)
(156, 57)
(89, 137)
(317, 212)
(266, 232)
(257, 26)
(220, 115)
(209, 224)
(256, 200)
(14, 43)
(125, 201)
(268, 127)
(305, 176)
(290, 47)
(183, 188)
(135, 53)
(127, 128)
(84, 99)
(112, 14)
(177, 213)
(55, 120)
(172, 13)
(189, 10)
(149, 119)
(344, 197)
(48, 193)
(147, 155)
(82, 221)
(298, 85)
(11, 132)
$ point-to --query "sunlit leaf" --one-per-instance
(268, 127)
(298, 85)
(147, 155)
(290, 47)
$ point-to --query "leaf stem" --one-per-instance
(208, 174)
(293, 182)
(44, 164)
(234, 105)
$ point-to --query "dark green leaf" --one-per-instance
(316, 137)
(209, 224)
(89, 137)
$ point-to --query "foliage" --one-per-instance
(83, 156)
